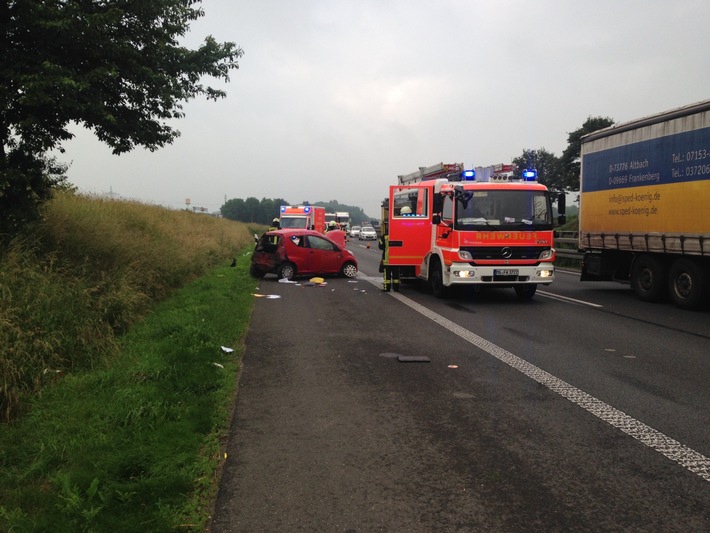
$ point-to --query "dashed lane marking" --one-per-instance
(654, 439)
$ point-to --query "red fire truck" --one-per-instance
(303, 217)
(479, 227)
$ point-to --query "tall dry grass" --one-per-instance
(73, 283)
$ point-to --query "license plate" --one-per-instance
(506, 272)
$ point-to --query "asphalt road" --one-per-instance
(576, 411)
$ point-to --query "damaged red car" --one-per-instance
(289, 253)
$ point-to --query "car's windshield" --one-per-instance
(480, 210)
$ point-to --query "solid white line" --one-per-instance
(671, 448)
(561, 298)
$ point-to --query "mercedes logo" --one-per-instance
(507, 252)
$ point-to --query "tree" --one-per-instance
(570, 157)
(547, 165)
(116, 67)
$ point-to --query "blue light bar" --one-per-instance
(530, 174)
(307, 209)
(468, 175)
(283, 208)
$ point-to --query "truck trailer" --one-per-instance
(644, 215)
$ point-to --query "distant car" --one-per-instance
(355, 231)
(367, 233)
(290, 253)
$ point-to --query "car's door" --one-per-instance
(326, 257)
(297, 252)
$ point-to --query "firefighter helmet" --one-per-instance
(406, 210)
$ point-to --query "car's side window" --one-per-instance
(299, 240)
(319, 243)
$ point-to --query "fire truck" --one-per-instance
(484, 227)
(303, 216)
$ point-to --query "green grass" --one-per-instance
(114, 392)
(134, 445)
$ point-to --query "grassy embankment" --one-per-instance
(115, 393)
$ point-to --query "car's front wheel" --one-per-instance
(286, 271)
(348, 270)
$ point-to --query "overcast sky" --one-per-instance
(334, 98)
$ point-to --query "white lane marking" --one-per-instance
(670, 448)
(561, 298)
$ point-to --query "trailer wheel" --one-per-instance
(525, 292)
(436, 279)
(286, 270)
(687, 283)
(648, 278)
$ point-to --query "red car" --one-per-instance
(299, 252)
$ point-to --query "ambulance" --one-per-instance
(481, 227)
(302, 217)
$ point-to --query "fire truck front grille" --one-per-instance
(504, 252)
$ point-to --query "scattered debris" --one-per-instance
(453, 366)
(269, 296)
(286, 280)
(218, 365)
(225, 349)
(413, 359)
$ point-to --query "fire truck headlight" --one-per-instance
(545, 273)
(465, 255)
(546, 254)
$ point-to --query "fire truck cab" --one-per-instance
(479, 227)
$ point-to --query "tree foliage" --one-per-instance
(546, 164)
(570, 157)
(252, 210)
(265, 210)
(561, 173)
(116, 67)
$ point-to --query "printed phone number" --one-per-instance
(691, 155)
(696, 170)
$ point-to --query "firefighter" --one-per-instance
(390, 275)
(275, 224)
(335, 234)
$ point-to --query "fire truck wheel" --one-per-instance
(525, 292)
(436, 279)
(286, 270)
(348, 270)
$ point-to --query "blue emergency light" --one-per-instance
(307, 209)
(530, 174)
(468, 175)
(283, 208)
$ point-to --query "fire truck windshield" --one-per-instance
(293, 222)
(504, 209)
